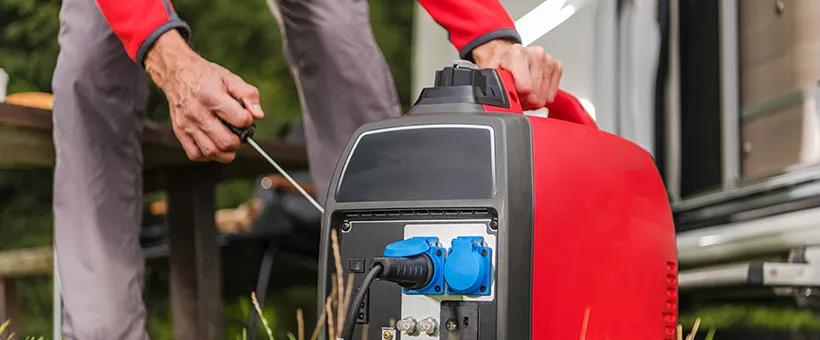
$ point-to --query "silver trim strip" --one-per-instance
(762, 236)
(730, 93)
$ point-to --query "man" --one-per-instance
(100, 91)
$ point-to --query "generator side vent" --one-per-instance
(670, 314)
(421, 213)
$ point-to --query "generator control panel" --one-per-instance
(448, 280)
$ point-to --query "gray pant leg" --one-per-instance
(99, 99)
(341, 74)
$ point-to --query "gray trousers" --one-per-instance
(99, 102)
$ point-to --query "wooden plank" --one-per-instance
(25, 117)
(25, 140)
(25, 262)
(196, 303)
(248, 163)
(25, 148)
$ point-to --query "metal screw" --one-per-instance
(807, 292)
(428, 326)
(407, 326)
(483, 288)
(747, 147)
(346, 226)
(452, 325)
(387, 335)
(438, 252)
(483, 252)
(494, 224)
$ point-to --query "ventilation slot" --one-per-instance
(670, 313)
(420, 213)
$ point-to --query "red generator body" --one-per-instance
(485, 223)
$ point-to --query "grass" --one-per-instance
(710, 335)
(261, 315)
(3, 327)
(11, 335)
(755, 316)
(332, 319)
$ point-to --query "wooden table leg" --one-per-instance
(196, 294)
(8, 304)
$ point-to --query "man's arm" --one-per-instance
(199, 92)
(471, 23)
(482, 31)
(139, 23)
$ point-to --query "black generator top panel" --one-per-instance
(419, 163)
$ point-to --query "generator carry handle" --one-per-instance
(564, 107)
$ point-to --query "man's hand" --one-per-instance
(537, 74)
(199, 93)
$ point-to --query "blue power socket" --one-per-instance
(422, 245)
(468, 269)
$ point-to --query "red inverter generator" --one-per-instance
(466, 219)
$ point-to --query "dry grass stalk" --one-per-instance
(346, 301)
(300, 324)
(694, 330)
(331, 330)
(336, 304)
(320, 323)
(3, 327)
(261, 316)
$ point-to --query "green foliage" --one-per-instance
(754, 316)
(241, 35)
(25, 208)
(28, 43)
(710, 335)
(35, 306)
(230, 194)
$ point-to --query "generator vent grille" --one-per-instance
(670, 313)
(421, 213)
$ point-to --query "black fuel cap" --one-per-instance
(462, 82)
(461, 73)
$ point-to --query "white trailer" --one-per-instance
(725, 95)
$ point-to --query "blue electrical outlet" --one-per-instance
(468, 269)
(422, 245)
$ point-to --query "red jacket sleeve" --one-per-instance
(472, 22)
(138, 23)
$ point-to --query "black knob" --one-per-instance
(463, 83)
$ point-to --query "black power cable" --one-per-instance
(413, 272)
(353, 309)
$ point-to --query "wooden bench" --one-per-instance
(196, 304)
